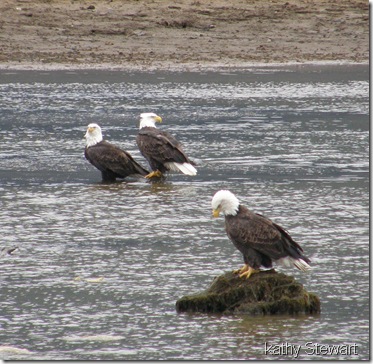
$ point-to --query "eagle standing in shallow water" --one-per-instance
(260, 240)
(112, 161)
(161, 149)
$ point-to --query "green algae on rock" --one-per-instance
(264, 293)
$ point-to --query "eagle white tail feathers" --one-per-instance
(185, 168)
(299, 263)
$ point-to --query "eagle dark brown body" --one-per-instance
(259, 239)
(160, 148)
(112, 161)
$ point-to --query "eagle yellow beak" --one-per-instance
(89, 130)
(158, 119)
(216, 212)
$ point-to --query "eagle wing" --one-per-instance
(112, 160)
(160, 146)
(249, 230)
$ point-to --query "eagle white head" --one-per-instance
(149, 119)
(93, 135)
(226, 202)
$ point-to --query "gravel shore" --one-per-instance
(183, 34)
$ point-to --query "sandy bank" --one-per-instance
(180, 35)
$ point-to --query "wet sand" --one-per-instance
(183, 35)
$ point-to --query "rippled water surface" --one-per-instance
(100, 267)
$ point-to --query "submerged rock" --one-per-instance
(264, 293)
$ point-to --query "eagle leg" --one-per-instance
(249, 272)
(241, 270)
(153, 174)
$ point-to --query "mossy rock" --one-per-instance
(264, 293)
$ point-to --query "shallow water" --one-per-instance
(100, 267)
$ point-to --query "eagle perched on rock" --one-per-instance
(260, 240)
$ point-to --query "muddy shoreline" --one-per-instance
(182, 35)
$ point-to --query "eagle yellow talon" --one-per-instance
(241, 270)
(153, 174)
(247, 274)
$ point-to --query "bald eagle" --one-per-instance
(112, 161)
(161, 149)
(260, 240)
